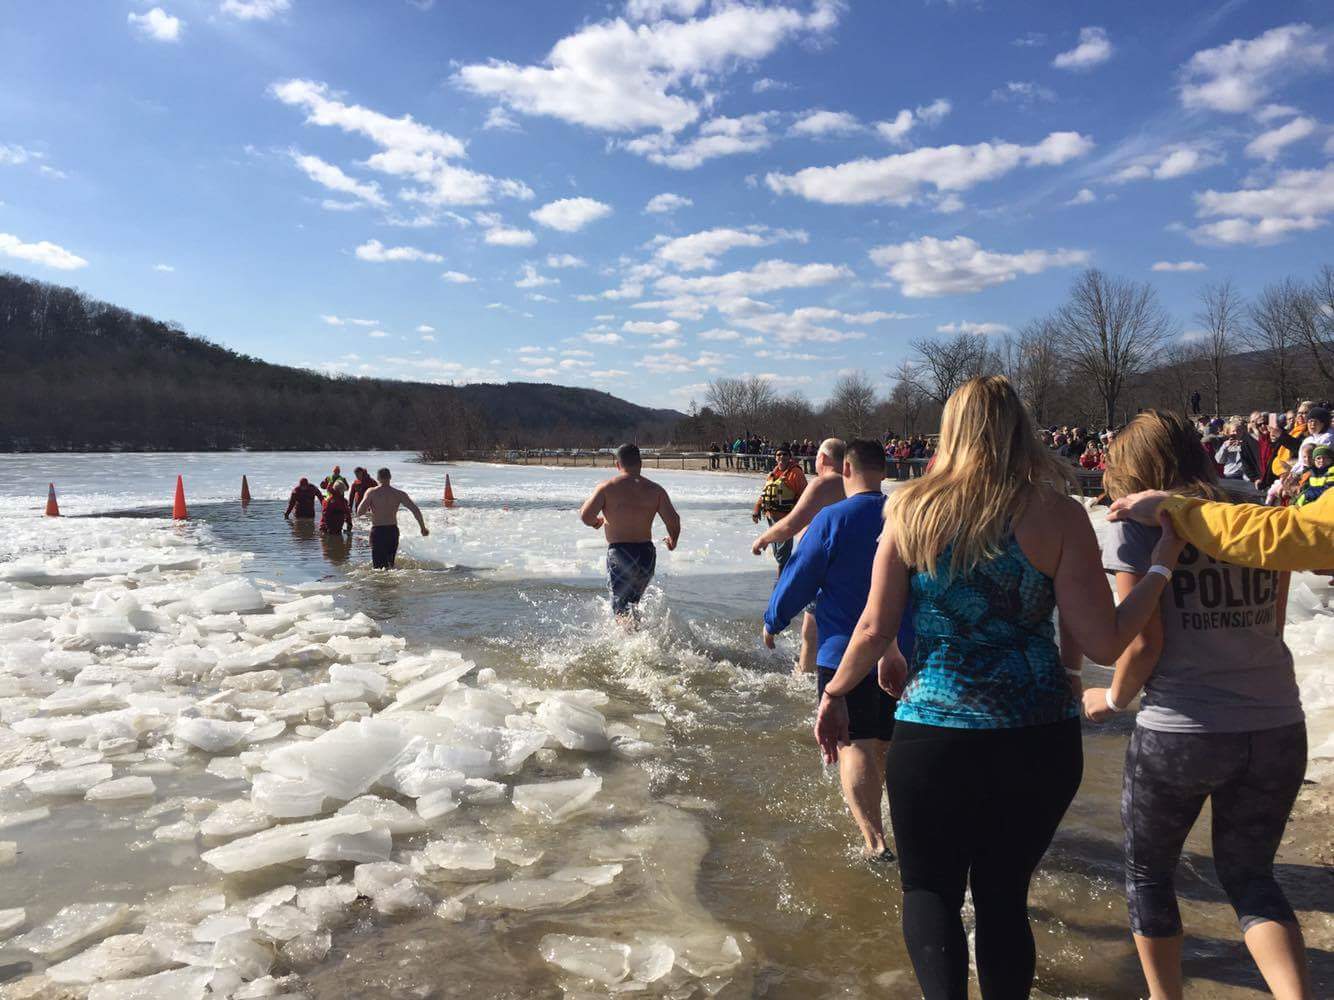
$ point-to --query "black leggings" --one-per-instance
(1251, 779)
(976, 807)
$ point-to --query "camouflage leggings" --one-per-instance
(1251, 780)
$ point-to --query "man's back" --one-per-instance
(384, 502)
(630, 504)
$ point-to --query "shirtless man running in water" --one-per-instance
(626, 506)
(383, 502)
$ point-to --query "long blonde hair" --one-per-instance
(988, 465)
(1160, 451)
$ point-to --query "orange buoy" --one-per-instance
(245, 492)
(52, 508)
(449, 492)
(178, 505)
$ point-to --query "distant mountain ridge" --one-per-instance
(84, 375)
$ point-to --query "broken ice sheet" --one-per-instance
(123, 956)
(178, 984)
(575, 726)
(73, 926)
(606, 962)
(461, 856)
(555, 801)
(532, 894)
(283, 843)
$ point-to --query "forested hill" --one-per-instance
(85, 375)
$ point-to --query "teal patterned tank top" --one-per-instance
(986, 654)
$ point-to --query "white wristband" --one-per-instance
(1161, 570)
(1111, 702)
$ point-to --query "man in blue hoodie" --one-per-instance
(832, 565)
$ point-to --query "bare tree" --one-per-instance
(852, 404)
(1113, 330)
(1314, 322)
(1220, 315)
(906, 399)
(1183, 362)
(944, 365)
(1272, 331)
(743, 403)
(1035, 364)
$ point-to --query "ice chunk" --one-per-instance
(344, 762)
(433, 805)
(217, 927)
(532, 894)
(10, 921)
(107, 630)
(606, 962)
(391, 887)
(429, 687)
(11, 776)
(9, 850)
(73, 926)
(235, 596)
(283, 843)
(556, 801)
(23, 817)
(286, 798)
(124, 956)
(650, 961)
(178, 984)
(328, 904)
(212, 735)
(282, 923)
(244, 953)
(232, 819)
(704, 955)
(122, 788)
(374, 684)
(69, 780)
(596, 875)
(183, 832)
(305, 951)
(576, 727)
(398, 818)
(461, 856)
(373, 845)
(480, 791)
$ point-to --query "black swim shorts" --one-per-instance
(630, 568)
(870, 710)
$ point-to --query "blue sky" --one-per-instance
(642, 196)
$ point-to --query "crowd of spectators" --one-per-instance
(906, 456)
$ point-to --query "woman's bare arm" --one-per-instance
(1135, 666)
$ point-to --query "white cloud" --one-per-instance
(1094, 48)
(598, 337)
(377, 334)
(1296, 201)
(347, 321)
(967, 327)
(767, 276)
(816, 324)
(668, 363)
(333, 178)
(430, 337)
(14, 156)
(424, 328)
(930, 266)
(563, 260)
(656, 10)
(905, 121)
(902, 178)
(700, 251)
(1179, 265)
(532, 279)
(666, 202)
(719, 334)
(569, 215)
(499, 120)
(457, 278)
(164, 268)
(45, 253)
(1268, 145)
(1166, 164)
(377, 253)
(651, 329)
(617, 76)
(766, 84)
(1030, 40)
(255, 10)
(157, 25)
(408, 149)
(1240, 75)
(1084, 196)
(720, 136)
(816, 124)
(1022, 92)
(506, 236)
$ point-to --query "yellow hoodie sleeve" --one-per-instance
(1277, 538)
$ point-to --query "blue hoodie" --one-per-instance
(832, 565)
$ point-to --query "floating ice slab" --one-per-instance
(327, 904)
(70, 780)
(10, 921)
(375, 684)
(283, 843)
(373, 845)
(10, 820)
(396, 817)
(232, 819)
(212, 735)
(392, 888)
(576, 727)
(178, 984)
(556, 801)
(107, 630)
(122, 788)
(72, 927)
(235, 596)
(595, 875)
(286, 798)
(124, 956)
(603, 961)
(650, 961)
(344, 762)
(531, 894)
(461, 856)
(427, 688)
(244, 953)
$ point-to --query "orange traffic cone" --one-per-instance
(245, 492)
(178, 505)
(449, 492)
(52, 508)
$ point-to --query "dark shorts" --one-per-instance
(630, 568)
(384, 545)
(870, 710)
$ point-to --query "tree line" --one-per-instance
(1109, 350)
(81, 375)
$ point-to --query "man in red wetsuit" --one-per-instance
(337, 516)
(303, 500)
(360, 485)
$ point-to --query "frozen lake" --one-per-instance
(540, 807)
